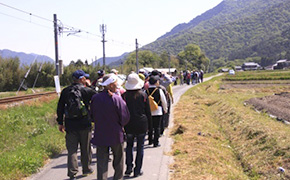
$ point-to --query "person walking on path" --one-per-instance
(110, 114)
(181, 78)
(160, 99)
(74, 104)
(140, 121)
(201, 75)
(164, 83)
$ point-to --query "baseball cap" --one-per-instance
(78, 74)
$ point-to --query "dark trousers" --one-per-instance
(103, 160)
(140, 152)
(73, 139)
(156, 120)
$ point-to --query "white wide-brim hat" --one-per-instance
(134, 82)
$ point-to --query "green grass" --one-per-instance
(29, 137)
(258, 75)
(224, 139)
(209, 74)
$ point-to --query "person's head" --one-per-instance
(141, 76)
(154, 80)
(79, 76)
(101, 73)
(114, 71)
(142, 71)
(110, 82)
(134, 82)
(155, 73)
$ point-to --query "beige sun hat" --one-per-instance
(134, 82)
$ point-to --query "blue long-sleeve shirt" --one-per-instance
(110, 114)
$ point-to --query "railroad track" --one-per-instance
(24, 97)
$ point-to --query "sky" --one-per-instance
(27, 26)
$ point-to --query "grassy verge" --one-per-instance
(217, 137)
(28, 138)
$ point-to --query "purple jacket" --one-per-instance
(110, 114)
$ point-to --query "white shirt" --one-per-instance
(158, 112)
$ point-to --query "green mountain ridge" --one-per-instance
(235, 29)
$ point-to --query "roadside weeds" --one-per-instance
(223, 139)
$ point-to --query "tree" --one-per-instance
(217, 63)
(192, 57)
(10, 74)
(145, 59)
(79, 63)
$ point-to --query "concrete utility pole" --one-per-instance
(137, 66)
(56, 43)
(169, 59)
(103, 29)
(96, 61)
(121, 66)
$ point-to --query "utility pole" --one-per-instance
(96, 61)
(39, 71)
(103, 29)
(56, 43)
(137, 68)
(169, 59)
(121, 66)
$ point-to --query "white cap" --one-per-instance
(113, 78)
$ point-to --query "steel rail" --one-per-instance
(24, 97)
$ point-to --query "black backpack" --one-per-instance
(75, 106)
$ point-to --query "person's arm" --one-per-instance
(163, 100)
(170, 92)
(60, 112)
(148, 112)
(87, 93)
(167, 80)
(122, 109)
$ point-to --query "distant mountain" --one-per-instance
(25, 59)
(234, 29)
(111, 61)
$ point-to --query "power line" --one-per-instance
(25, 12)
(62, 27)
(26, 20)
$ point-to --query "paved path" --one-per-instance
(155, 163)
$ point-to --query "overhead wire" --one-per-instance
(62, 27)
(25, 12)
(26, 21)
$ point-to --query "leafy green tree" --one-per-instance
(10, 74)
(193, 58)
(79, 63)
(217, 63)
(145, 59)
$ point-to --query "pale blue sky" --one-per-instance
(126, 20)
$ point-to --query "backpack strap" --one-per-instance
(153, 93)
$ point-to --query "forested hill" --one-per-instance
(25, 59)
(234, 29)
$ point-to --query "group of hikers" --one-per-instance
(121, 110)
(191, 77)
